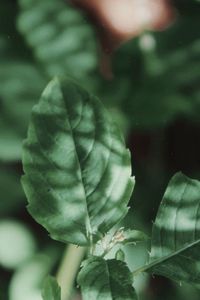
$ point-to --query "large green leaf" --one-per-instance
(175, 249)
(61, 38)
(51, 289)
(106, 280)
(77, 169)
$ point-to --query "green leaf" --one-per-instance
(17, 96)
(51, 289)
(77, 169)
(175, 249)
(133, 237)
(61, 38)
(120, 255)
(127, 237)
(159, 83)
(106, 280)
(17, 91)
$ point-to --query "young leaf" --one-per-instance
(106, 279)
(133, 236)
(176, 233)
(128, 237)
(77, 169)
(51, 289)
(120, 255)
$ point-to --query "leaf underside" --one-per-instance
(106, 280)
(176, 233)
(77, 169)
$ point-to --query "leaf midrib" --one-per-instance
(165, 258)
(88, 223)
(109, 279)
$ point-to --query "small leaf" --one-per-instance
(106, 280)
(120, 255)
(175, 249)
(77, 169)
(51, 289)
(127, 237)
(133, 237)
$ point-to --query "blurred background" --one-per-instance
(142, 58)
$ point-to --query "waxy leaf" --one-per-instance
(176, 233)
(106, 280)
(77, 169)
(51, 289)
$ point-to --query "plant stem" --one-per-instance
(68, 269)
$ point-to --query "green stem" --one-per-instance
(68, 269)
(141, 270)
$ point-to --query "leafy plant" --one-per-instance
(68, 33)
(78, 178)
(78, 183)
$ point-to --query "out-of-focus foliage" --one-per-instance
(157, 75)
(26, 283)
(18, 94)
(155, 83)
(61, 38)
(15, 233)
(17, 91)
